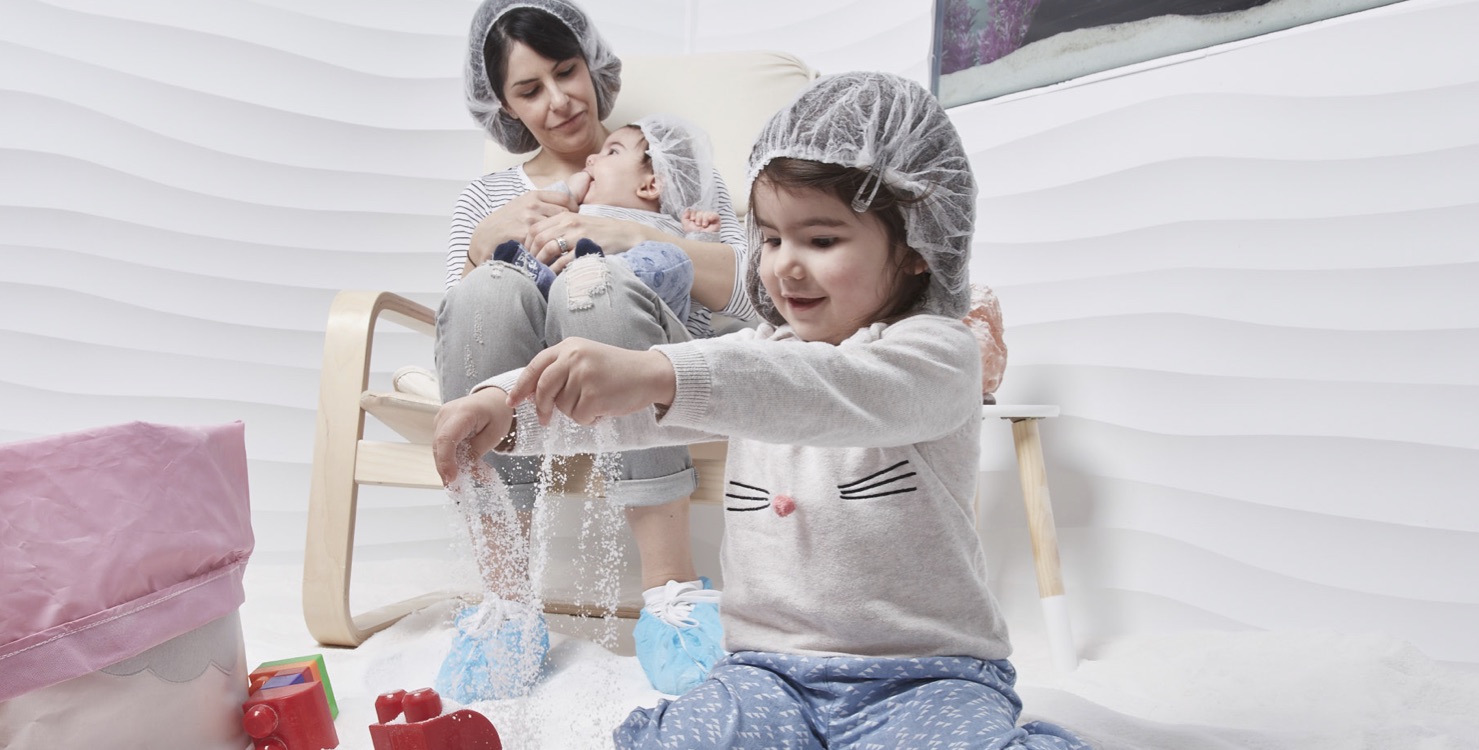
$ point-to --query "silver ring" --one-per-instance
(564, 246)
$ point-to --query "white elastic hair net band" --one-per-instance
(894, 129)
(482, 97)
(683, 162)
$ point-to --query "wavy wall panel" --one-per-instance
(1245, 277)
(188, 185)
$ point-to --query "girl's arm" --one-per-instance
(582, 379)
(909, 382)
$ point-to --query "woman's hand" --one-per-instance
(514, 220)
(613, 235)
(586, 380)
(471, 425)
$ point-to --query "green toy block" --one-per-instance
(320, 673)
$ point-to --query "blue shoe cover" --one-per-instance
(678, 639)
(496, 653)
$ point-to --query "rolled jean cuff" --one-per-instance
(520, 496)
(646, 493)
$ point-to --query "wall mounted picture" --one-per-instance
(988, 48)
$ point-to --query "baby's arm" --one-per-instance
(698, 221)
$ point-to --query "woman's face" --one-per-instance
(555, 99)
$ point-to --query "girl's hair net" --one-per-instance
(897, 131)
(482, 94)
(682, 160)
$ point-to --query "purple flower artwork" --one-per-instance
(976, 33)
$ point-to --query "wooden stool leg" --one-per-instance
(1044, 533)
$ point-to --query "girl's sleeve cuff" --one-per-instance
(693, 385)
(530, 433)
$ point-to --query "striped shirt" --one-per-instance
(492, 191)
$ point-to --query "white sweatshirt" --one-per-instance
(850, 484)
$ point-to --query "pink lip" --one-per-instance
(803, 303)
(567, 123)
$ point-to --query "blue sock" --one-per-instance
(514, 254)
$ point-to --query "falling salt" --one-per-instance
(504, 544)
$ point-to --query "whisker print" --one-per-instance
(851, 490)
(880, 484)
(881, 494)
(763, 498)
(874, 474)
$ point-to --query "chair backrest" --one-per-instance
(730, 95)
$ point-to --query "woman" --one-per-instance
(539, 76)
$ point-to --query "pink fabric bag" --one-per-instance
(114, 540)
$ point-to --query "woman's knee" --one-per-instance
(599, 299)
(492, 287)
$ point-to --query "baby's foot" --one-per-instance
(514, 254)
(584, 247)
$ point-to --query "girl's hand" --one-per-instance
(586, 380)
(613, 235)
(514, 220)
(473, 424)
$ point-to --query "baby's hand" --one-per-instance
(695, 220)
(475, 423)
(579, 184)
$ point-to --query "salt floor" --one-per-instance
(1249, 689)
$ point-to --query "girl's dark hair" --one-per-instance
(843, 183)
(541, 31)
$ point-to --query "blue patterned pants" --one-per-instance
(665, 269)
(782, 701)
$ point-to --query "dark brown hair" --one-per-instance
(646, 154)
(843, 183)
(541, 31)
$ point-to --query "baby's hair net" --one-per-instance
(897, 131)
(482, 97)
(682, 160)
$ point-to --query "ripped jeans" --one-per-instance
(495, 320)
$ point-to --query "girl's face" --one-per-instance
(555, 99)
(829, 271)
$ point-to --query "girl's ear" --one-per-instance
(917, 264)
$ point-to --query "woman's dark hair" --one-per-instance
(541, 31)
(844, 183)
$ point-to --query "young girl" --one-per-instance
(856, 611)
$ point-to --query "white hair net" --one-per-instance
(682, 160)
(482, 95)
(897, 131)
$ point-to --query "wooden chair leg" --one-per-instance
(1044, 533)
(333, 494)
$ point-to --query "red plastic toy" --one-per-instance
(426, 727)
(288, 710)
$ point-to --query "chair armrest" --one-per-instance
(333, 491)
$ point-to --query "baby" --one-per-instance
(656, 171)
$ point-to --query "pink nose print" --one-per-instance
(783, 505)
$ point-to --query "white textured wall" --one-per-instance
(1246, 277)
(1249, 280)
